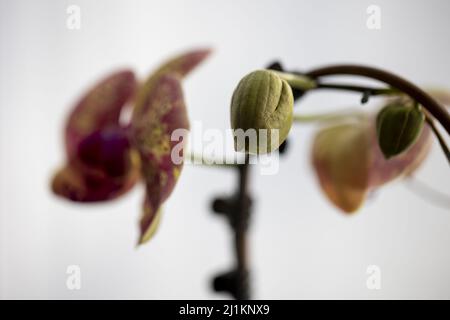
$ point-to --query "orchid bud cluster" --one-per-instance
(352, 156)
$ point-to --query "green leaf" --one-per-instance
(398, 127)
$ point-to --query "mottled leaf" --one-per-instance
(163, 113)
(180, 65)
(107, 151)
(77, 185)
(99, 108)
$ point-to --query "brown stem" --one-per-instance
(241, 216)
(394, 81)
(355, 88)
(438, 136)
(237, 210)
(428, 193)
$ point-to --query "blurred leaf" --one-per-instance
(163, 113)
(76, 185)
(341, 158)
(107, 150)
(99, 108)
(349, 163)
(441, 95)
(180, 66)
(101, 165)
(383, 170)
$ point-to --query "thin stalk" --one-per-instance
(417, 94)
(202, 160)
(439, 137)
(296, 81)
(428, 193)
(241, 216)
(360, 89)
(327, 116)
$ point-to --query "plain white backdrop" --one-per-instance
(301, 246)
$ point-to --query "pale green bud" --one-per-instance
(262, 102)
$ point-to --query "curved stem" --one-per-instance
(428, 193)
(439, 137)
(361, 89)
(296, 81)
(201, 160)
(327, 116)
(394, 81)
(398, 85)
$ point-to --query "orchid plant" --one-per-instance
(353, 153)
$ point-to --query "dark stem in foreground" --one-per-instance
(439, 137)
(237, 210)
(240, 226)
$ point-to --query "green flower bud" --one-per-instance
(263, 103)
(398, 127)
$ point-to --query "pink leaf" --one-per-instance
(180, 66)
(76, 185)
(99, 108)
(349, 163)
(163, 113)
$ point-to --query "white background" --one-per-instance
(301, 246)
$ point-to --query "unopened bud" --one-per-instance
(262, 108)
(398, 127)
